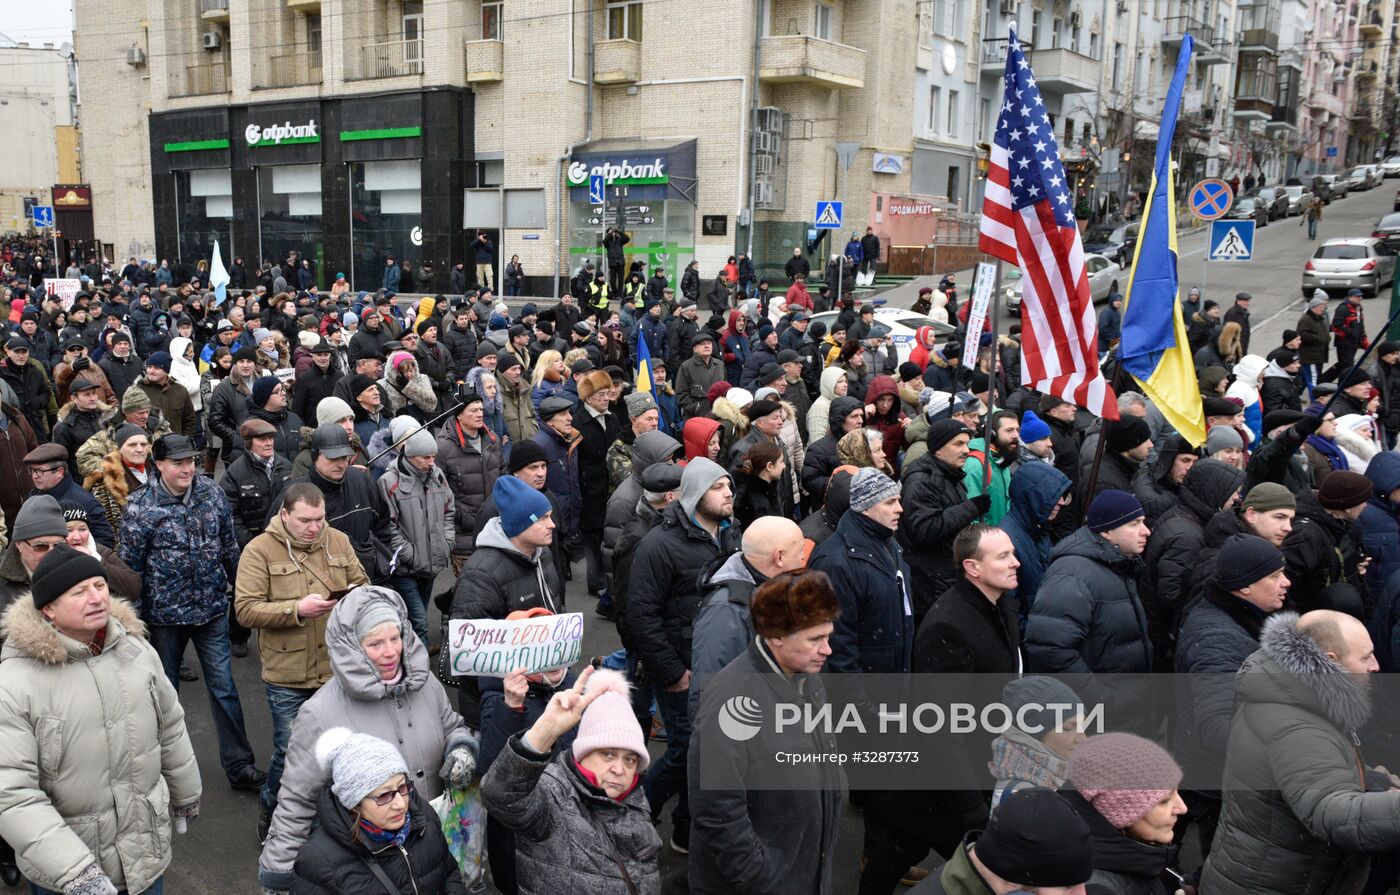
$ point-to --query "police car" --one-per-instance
(902, 322)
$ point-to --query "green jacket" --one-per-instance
(974, 477)
(958, 876)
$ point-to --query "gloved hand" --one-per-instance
(92, 881)
(458, 767)
(983, 503)
(182, 816)
(82, 364)
(1308, 424)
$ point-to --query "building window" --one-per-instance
(1055, 26)
(824, 13)
(625, 20)
(953, 172)
(1117, 65)
(1035, 29)
(413, 35)
(988, 123)
(1084, 135)
(935, 95)
(953, 103)
(491, 19)
(1094, 44)
(1069, 133)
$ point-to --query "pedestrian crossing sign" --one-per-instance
(828, 215)
(1231, 241)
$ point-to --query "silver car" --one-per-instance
(1339, 185)
(1105, 277)
(1298, 198)
(1362, 177)
(1342, 264)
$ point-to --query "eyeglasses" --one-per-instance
(385, 798)
(41, 547)
(36, 470)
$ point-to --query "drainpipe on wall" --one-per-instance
(759, 9)
(559, 209)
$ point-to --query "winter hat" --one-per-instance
(609, 722)
(1358, 376)
(1039, 691)
(378, 608)
(1285, 357)
(1112, 508)
(1387, 347)
(245, 352)
(1221, 438)
(739, 397)
(767, 392)
(523, 454)
(1319, 298)
(127, 431)
(718, 390)
(1126, 433)
(73, 512)
(593, 383)
(507, 359)
(940, 432)
(308, 338)
(332, 410)
(699, 475)
(358, 764)
(349, 319)
(160, 359)
(521, 506)
(1289, 335)
(39, 516)
(1342, 490)
(62, 568)
(1123, 776)
(764, 332)
(359, 383)
(1036, 839)
(1217, 406)
(420, 444)
(1245, 559)
(424, 325)
(1033, 428)
(908, 372)
(398, 358)
(869, 487)
(260, 334)
(134, 399)
(762, 408)
(262, 389)
(1267, 496)
(639, 403)
(1249, 368)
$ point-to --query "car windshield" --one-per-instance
(914, 321)
(1342, 252)
(1245, 205)
(1358, 172)
(1293, 191)
(1099, 234)
(1393, 160)
(1389, 222)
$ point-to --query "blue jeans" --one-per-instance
(667, 776)
(1312, 228)
(416, 591)
(283, 703)
(212, 647)
(157, 888)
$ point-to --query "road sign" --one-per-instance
(1232, 241)
(828, 215)
(43, 215)
(597, 189)
(1331, 152)
(1211, 198)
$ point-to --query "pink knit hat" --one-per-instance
(608, 722)
(1122, 776)
(398, 358)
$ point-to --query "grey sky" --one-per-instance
(48, 21)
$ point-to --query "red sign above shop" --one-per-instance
(76, 196)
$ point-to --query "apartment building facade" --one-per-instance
(38, 99)
(355, 129)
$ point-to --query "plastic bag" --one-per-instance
(463, 821)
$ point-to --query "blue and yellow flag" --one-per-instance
(1153, 347)
(644, 380)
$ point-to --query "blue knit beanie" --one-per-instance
(521, 506)
(1033, 428)
(1111, 509)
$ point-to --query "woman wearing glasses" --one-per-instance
(375, 832)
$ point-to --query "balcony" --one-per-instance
(394, 58)
(1367, 71)
(202, 80)
(290, 70)
(1326, 103)
(1064, 71)
(1259, 40)
(1254, 108)
(213, 10)
(617, 61)
(1285, 118)
(310, 7)
(485, 61)
(1371, 23)
(1210, 48)
(799, 59)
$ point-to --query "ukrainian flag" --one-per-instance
(644, 380)
(1153, 347)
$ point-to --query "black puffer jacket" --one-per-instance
(821, 460)
(1299, 815)
(251, 488)
(1116, 472)
(461, 344)
(313, 385)
(1172, 554)
(1122, 865)
(330, 862)
(1153, 486)
(1279, 391)
(498, 579)
(1323, 552)
(228, 408)
(470, 474)
(648, 448)
(936, 508)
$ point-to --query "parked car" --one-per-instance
(1114, 241)
(1339, 185)
(1361, 177)
(1364, 263)
(1396, 206)
(1388, 229)
(1105, 276)
(903, 324)
(1391, 166)
(1275, 199)
(1298, 197)
(1248, 208)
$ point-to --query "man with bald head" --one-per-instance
(772, 544)
(1299, 802)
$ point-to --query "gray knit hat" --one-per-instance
(1221, 438)
(1030, 700)
(39, 516)
(869, 487)
(332, 410)
(420, 444)
(358, 764)
(377, 610)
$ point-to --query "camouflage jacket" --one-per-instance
(184, 549)
(619, 461)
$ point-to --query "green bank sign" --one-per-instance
(620, 171)
(281, 134)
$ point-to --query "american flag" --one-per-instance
(1028, 221)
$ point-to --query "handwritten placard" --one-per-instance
(490, 648)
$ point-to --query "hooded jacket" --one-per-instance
(1153, 485)
(722, 627)
(422, 508)
(821, 524)
(499, 579)
(1279, 390)
(936, 508)
(93, 752)
(412, 713)
(735, 346)
(274, 574)
(975, 478)
(1124, 865)
(471, 472)
(1380, 521)
(697, 433)
(818, 422)
(1321, 553)
(1035, 490)
(888, 425)
(648, 448)
(875, 632)
(821, 460)
(1298, 818)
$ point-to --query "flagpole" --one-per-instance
(991, 380)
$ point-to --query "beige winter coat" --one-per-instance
(93, 752)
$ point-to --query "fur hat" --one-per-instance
(596, 381)
(791, 602)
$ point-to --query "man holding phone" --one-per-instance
(289, 578)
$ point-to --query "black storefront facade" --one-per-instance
(346, 182)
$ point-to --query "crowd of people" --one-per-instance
(346, 473)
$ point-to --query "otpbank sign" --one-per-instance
(280, 134)
(620, 171)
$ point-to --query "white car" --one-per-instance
(1361, 177)
(1391, 166)
(902, 322)
(1104, 277)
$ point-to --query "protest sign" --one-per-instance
(65, 289)
(491, 648)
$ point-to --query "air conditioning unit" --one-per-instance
(1008, 7)
(211, 40)
(135, 56)
(1076, 18)
(770, 118)
(762, 141)
(1122, 6)
(763, 193)
(763, 164)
